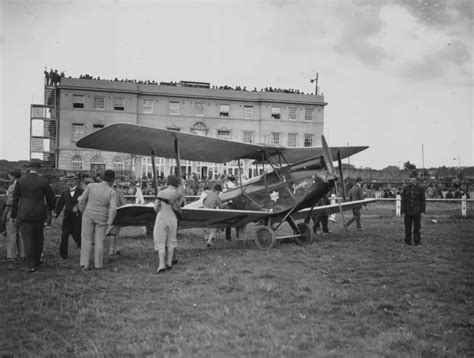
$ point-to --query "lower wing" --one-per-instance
(142, 215)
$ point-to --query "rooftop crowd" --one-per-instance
(53, 78)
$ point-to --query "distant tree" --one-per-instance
(391, 168)
(409, 166)
(347, 166)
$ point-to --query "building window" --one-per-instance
(99, 102)
(119, 104)
(224, 110)
(276, 112)
(308, 140)
(96, 127)
(199, 128)
(275, 138)
(223, 135)
(248, 112)
(174, 108)
(77, 131)
(292, 113)
(76, 163)
(199, 109)
(292, 137)
(118, 164)
(248, 137)
(37, 128)
(308, 114)
(77, 101)
(147, 106)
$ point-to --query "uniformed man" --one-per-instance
(356, 193)
(413, 204)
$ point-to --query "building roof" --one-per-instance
(189, 92)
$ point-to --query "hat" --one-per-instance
(217, 187)
(15, 173)
(109, 175)
(71, 177)
(358, 179)
(172, 180)
(35, 163)
(88, 180)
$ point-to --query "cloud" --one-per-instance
(440, 13)
(452, 60)
(361, 22)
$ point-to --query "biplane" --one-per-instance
(298, 179)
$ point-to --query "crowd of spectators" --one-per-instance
(52, 77)
(176, 84)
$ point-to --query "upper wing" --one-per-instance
(333, 208)
(137, 139)
(142, 215)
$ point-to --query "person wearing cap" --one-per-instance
(31, 198)
(412, 205)
(354, 194)
(72, 218)
(86, 182)
(15, 246)
(212, 201)
(167, 205)
(98, 205)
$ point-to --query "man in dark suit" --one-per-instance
(72, 217)
(413, 204)
(356, 193)
(31, 197)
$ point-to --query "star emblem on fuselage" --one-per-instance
(274, 195)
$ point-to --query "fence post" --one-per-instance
(463, 206)
(398, 206)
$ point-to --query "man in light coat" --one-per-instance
(98, 205)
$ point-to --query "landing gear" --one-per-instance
(306, 234)
(265, 238)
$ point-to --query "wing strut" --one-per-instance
(178, 159)
(330, 167)
(155, 179)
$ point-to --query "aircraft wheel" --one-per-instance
(307, 234)
(265, 238)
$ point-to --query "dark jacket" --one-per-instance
(356, 193)
(413, 200)
(65, 200)
(31, 196)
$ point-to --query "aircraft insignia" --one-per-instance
(274, 195)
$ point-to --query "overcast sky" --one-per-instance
(396, 74)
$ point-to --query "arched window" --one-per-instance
(199, 128)
(118, 164)
(97, 164)
(76, 163)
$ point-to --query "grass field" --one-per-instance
(356, 294)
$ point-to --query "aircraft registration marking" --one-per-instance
(301, 185)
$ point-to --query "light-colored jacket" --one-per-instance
(99, 202)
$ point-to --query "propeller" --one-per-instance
(327, 156)
(330, 168)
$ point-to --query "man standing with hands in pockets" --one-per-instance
(98, 205)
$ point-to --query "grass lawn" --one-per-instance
(355, 294)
